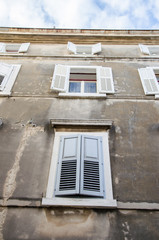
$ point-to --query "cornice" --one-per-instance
(78, 36)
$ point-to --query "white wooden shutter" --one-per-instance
(24, 47)
(96, 48)
(2, 47)
(105, 80)
(91, 182)
(72, 47)
(68, 171)
(149, 81)
(144, 49)
(5, 72)
(60, 80)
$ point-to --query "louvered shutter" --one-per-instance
(5, 72)
(105, 80)
(144, 49)
(91, 182)
(96, 48)
(67, 182)
(2, 47)
(60, 80)
(72, 47)
(24, 47)
(149, 81)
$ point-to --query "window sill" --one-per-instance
(88, 95)
(87, 202)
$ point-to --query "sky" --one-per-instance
(80, 14)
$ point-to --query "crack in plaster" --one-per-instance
(10, 182)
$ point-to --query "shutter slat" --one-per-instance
(2, 47)
(60, 80)
(24, 47)
(96, 48)
(72, 47)
(91, 166)
(149, 81)
(105, 80)
(5, 72)
(144, 49)
(67, 182)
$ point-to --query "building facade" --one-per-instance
(79, 130)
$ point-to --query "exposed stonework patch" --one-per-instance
(10, 182)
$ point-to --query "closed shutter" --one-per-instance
(67, 182)
(60, 78)
(144, 49)
(149, 81)
(72, 47)
(24, 47)
(91, 166)
(105, 80)
(5, 72)
(96, 48)
(2, 47)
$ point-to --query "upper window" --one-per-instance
(82, 80)
(149, 49)
(150, 80)
(14, 48)
(84, 49)
(80, 173)
(8, 74)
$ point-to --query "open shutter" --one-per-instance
(144, 49)
(105, 80)
(24, 47)
(149, 81)
(5, 72)
(96, 48)
(60, 80)
(72, 47)
(67, 182)
(2, 47)
(91, 166)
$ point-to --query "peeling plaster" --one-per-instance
(10, 182)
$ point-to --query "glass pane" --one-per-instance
(75, 87)
(1, 79)
(90, 87)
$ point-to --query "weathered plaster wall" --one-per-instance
(70, 224)
(27, 139)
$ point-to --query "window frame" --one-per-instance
(150, 72)
(21, 48)
(145, 49)
(9, 79)
(108, 78)
(51, 200)
(94, 48)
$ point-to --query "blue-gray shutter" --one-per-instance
(91, 182)
(67, 181)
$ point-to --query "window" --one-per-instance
(149, 50)
(84, 49)
(82, 80)
(149, 78)
(8, 74)
(14, 48)
(80, 172)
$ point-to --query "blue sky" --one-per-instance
(88, 14)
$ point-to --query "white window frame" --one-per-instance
(145, 49)
(99, 93)
(52, 200)
(9, 82)
(21, 48)
(153, 78)
(74, 48)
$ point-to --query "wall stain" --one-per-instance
(10, 182)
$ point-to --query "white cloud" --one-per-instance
(80, 13)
